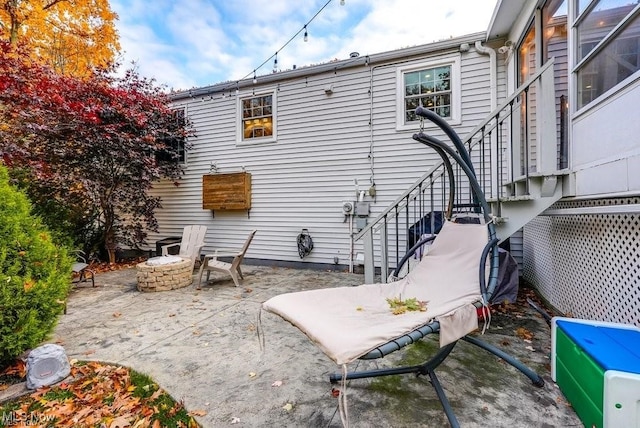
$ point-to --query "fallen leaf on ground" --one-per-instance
(252, 374)
(235, 420)
(90, 351)
(120, 422)
(288, 407)
(116, 314)
(172, 315)
(523, 333)
(277, 383)
(530, 348)
(197, 413)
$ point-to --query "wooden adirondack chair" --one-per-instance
(191, 243)
(211, 262)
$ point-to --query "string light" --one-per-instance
(274, 56)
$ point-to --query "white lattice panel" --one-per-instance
(587, 266)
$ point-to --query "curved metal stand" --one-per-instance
(428, 368)
(535, 377)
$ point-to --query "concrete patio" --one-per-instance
(199, 343)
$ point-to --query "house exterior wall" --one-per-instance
(586, 263)
(606, 150)
(324, 143)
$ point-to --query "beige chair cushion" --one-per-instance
(348, 322)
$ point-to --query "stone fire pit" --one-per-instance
(164, 273)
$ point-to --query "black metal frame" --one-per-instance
(463, 160)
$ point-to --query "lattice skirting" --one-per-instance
(587, 266)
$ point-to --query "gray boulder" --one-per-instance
(46, 365)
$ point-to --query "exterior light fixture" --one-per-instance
(306, 35)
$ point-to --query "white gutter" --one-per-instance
(493, 72)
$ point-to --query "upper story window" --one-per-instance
(608, 47)
(434, 85)
(257, 121)
(176, 145)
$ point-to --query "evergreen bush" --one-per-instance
(35, 275)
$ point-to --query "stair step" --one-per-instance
(511, 199)
(534, 175)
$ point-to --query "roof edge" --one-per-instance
(306, 71)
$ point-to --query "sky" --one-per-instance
(194, 43)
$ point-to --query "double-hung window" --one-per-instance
(434, 85)
(257, 118)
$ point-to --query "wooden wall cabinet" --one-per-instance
(226, 191)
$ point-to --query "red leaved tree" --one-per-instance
(94, 146)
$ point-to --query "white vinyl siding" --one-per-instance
(325, 143)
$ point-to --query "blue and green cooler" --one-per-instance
(597, 367)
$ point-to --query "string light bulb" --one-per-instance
(255, 79)
(275, 63)
(306, 35)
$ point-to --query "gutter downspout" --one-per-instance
(493, 72)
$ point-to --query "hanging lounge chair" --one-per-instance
(442, 294)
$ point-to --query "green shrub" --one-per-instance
(35, 275)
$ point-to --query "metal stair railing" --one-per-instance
(515, 141)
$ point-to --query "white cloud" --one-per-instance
(201, 42)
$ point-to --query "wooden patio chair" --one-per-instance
(191, 243)
(212, 263)
(80, 269)
(442, 294)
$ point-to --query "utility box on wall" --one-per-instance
(226, 191)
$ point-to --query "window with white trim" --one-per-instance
(434, 85)
(608, 47)
(257, 118)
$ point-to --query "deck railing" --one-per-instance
(516, 140)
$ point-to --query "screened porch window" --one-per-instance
(609, 48)
(257, 117)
